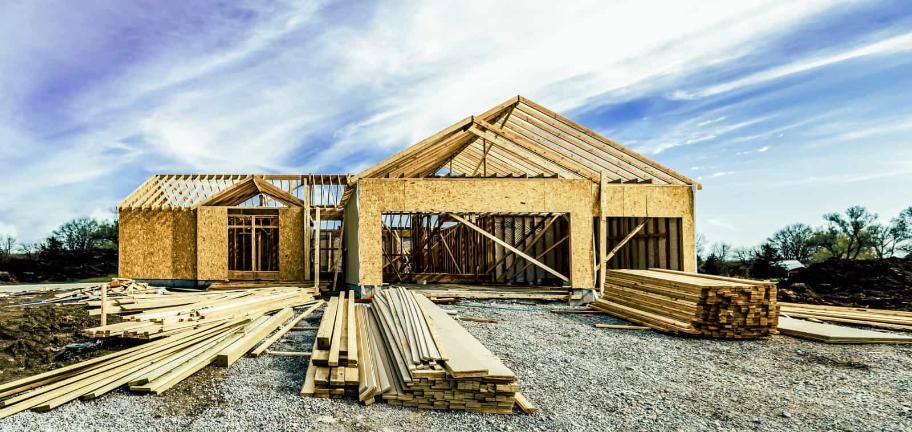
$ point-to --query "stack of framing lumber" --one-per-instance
(334, 367)
(156, 366)
(881, 318)
(691, 304)
(161, 314)
(411, 353)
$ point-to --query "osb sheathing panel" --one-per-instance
(157, 244)
(212, 243)
(291, 244)
(376, 196)
(655, 201)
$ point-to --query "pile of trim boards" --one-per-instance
(407, 351)
(190, 331)
(691, 304)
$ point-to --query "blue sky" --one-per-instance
(783, 110)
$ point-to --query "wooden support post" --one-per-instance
(602, 229)
(317, 249)
(104, 299)
(511, 248)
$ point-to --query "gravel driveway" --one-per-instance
(582, 378)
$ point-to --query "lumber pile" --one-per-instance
(691, 304)
(159, 314)
(410, 353)
(118, 287)
(333, 370)
(881, 318)
(151, 367)
(837, 334)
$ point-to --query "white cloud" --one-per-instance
(891, 45)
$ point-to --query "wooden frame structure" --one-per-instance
(517, 158)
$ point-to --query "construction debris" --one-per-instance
(691, 304)
(408, 352)
(191, 331)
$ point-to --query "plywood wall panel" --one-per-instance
(291, 244)
(212, 243)
(157, 244)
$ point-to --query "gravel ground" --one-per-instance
(582, 378)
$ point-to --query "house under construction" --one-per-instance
(517, 195)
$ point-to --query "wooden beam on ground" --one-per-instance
(621, 327)
(288, 326)
(509, 247)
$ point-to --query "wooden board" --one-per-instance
(830, 333)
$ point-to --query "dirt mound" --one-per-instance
(882, 283)
(38, 338)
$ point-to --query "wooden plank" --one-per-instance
(230, 354)
(602, 230)
(282, 331)
(336, 343)
(621, 327)
(830, 333)
(327, 324)
(352, 340)
(524, 404)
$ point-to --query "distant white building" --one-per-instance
(791, 265)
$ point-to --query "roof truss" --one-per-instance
(522, 138)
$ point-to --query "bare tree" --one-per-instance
(722, 250)
(854, 226)
(885, 239)
(7, 244)
(794, 242)
(700, 247)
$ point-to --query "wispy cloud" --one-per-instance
(98, 97)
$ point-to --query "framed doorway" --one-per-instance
(253, 244)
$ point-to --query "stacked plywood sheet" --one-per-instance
(837, 334)
(882, 318)
(411, 353)
(691, 304)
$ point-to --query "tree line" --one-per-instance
(79, 248)
(855, 234)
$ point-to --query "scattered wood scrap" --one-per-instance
(881, 318)
(836, 334)
(412, 353)
(191, 331)
(691, 304)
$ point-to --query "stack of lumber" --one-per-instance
(333, 370)
(881, 318)
(160, 314)
(691, 304)
(411, 353)
(155, 366)
(837, 334)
